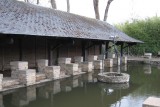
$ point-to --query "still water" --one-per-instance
(85, 91)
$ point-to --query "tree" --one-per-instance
(106, 10)
(96, 8)
(68, 6)
(37, 1)
(53, 3)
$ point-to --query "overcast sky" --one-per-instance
(119, 12)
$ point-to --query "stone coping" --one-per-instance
(152, 102)
(113, 77)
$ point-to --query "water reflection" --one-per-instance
(147, 69)
(86, 91)
(1, 101)
(23, 96)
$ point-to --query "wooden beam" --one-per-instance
(20, 49)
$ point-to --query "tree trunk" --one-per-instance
(68, 6)
(53, 3)
(37, 1)
(96, 8)
(26, 1)
(106, 11)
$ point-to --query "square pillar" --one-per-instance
(27, 77)
(52, 72)
(92, 58)
(87, 66)
(41, 64)
(18, 65)
(108, 62)
(98, 64)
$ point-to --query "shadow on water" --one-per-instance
(86, 91)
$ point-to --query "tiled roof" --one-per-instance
(23, 18)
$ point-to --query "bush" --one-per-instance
(147, 30)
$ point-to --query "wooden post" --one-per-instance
(49, 52)
(84, 50)
(122, 49)
(100, 49)
(20, 49)
(106, 50)
(35, 49)
(128, 49)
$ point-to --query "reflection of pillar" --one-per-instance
(23, 96)
(43, 93)
(65, 86)
(1, 100)
(147, 69)
(57, 87)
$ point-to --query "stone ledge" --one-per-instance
(151, 102)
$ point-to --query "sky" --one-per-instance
(119, 11)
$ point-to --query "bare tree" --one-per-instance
(37, 1)
(106, 10)
(96, 8)
(68, 6)
(26, 1)
(53, 3)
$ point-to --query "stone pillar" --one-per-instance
(147, 58)
(62, 63)
(72, 69)
(115, 61)
(18, 65)
(87, 66)
(78, 59)
(27, 77)
(92, 58)
(124, 60)
(98, 64)
(41, 64)
(64, 60)
(108, 62)
(101, 57)
(52, 72)
(1, 78)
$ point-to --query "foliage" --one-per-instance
(147, 30)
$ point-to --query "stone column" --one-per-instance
(115, 61)
(87, 66)
(27, 77)
(41, 64)
(98, 64)
(78, 59)
(92, 58)
(108, 62)
(62, 63)
(124, 60)
(72, 69)
(52, 72)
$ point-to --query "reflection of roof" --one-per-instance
(24, 18)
